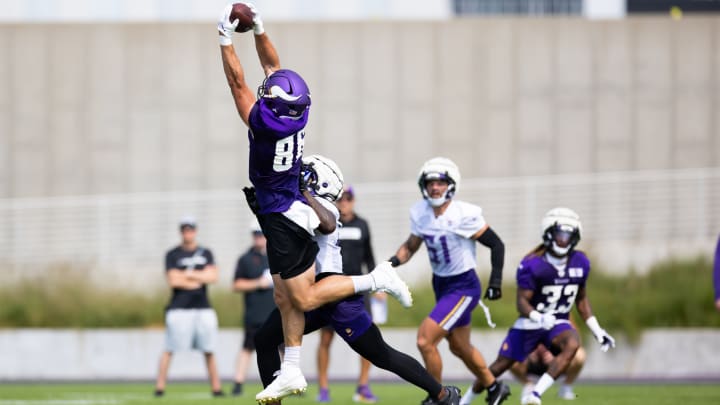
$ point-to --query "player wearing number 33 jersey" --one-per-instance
(551, 281)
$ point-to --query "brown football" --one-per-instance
(242, 12)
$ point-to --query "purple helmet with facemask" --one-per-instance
(285, 93)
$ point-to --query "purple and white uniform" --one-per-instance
(276, 148)
(452, 257)
(348, 316)
(555, 284)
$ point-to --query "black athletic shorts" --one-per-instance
(290, 249)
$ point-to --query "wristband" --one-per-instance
(225, 41)
(394, 261)
(594, 326)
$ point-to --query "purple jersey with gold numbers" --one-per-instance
(554, 288)
(276, 148)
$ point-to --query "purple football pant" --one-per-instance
(519, 343)
(456, 296)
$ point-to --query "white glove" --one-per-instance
(606, 341)
(547, 321)
(226, 27)
(258, 28)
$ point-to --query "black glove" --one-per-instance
(251, 199)
(493, 292)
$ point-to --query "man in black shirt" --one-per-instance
(357, 258)
(191, 323)
(252, 277)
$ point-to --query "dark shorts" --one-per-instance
(249, 339)
(348, 317)
(519, 343)
(456, 296)
(290, 249)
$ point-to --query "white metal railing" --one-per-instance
(127, 231)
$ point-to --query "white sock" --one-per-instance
(543, 384)
(363, 283)
(292, 357)
(468, 397)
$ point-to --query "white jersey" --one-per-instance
(328, 258)
(447, 237)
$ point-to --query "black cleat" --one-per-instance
(499, 395)
(452, 397)
(159, 393)
(218, 394)
(237, 389)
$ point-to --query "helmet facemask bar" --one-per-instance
(561, 239)
(447, 195)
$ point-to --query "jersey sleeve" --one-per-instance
(471, 221)
(169, 261)
(524, 276)
(209, 256)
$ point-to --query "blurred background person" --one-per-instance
(716, 275)
(358, 258)
(191, 323)
(253, 279)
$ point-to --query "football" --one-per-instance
(244, 15)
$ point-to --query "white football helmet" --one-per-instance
(322, 176)
(561, 230)
(439, 168)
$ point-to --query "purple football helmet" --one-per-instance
(286, 93)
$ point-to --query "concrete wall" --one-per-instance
(37, 354)
(88, 108)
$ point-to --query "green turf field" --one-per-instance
(185, 393)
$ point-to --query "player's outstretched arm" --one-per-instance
(583, 306)
(406, 250)
(234, 73)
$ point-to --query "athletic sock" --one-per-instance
(292, 357)
(363, 283)
(469, 396)
(492, 387)
(543, 384)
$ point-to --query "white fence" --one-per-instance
(629, 219)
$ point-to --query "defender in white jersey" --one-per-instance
(347, 316)
(450, 229)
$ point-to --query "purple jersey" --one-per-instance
(276, 148)
(554, 289)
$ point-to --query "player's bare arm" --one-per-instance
(177, 278)
(582, 303)
(208, 275)
(269, 59)
(327, 219)
(406, 250)
(235, 75)
(523, 302)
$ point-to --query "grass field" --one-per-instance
(400, 394)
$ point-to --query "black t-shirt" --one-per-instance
(258, 303)
(355, 246)
(181, 259)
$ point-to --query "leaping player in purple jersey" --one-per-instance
(276, 120)
(450, 230)
(551, 279)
